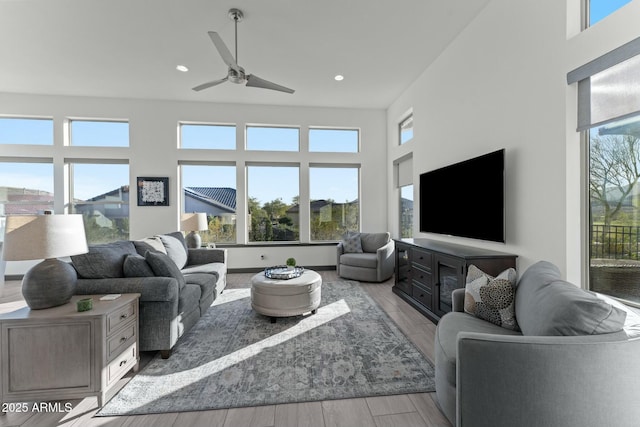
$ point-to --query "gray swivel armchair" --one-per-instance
(373, 261)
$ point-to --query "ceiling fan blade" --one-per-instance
(255, 81)
(224, 52)
(209, 84)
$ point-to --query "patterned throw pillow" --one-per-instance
(492, 298)
(351, 243)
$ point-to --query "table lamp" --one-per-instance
(51, 282)
(193, 222)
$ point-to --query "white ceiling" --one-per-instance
(130, 48)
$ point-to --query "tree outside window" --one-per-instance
(272, 197)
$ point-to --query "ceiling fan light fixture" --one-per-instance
(182, 68)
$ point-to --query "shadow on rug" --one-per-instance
(234, 357)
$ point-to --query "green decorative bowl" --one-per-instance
(85, 304)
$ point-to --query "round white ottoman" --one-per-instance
(283, 298)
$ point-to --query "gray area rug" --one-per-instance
(235, 357)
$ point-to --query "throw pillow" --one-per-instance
(149, 244)
(175, 247)
(163, 266)
(352, 243)
(103, 261)
(491, 298)
(137, 266)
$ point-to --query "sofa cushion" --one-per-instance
(548, 305)
(364, 260)
(103, 261)
(218, 269)
(207, 282)
(136, 266)
(491, 298)
(149, 244)
(163, 266)
(175, 247)
(371, 242)
(351, 243)
(189, 299)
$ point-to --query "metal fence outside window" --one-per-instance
(615, 241)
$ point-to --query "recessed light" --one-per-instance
(182, 68)
(339, 77)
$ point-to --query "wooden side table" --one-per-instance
(60, 353)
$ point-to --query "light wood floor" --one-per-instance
(408, 410)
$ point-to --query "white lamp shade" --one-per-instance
(194, 222)
(43, 236)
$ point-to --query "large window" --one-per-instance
(609, 115)
(100, 192)
(599, 9)
(212, 190)
(406, 211)
(614, 201)
(26, 131)
(91, 133)
(333, 140)
(334, 204)
(213, 137)
(25, 188)
(273, 195)
(271, 138)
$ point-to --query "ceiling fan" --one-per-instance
(236, 73)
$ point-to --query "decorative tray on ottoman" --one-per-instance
(282, 272)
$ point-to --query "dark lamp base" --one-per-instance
(49, 284)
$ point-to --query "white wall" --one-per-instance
(502, 83)
(153, 152)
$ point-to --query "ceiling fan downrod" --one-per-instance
(236, 16)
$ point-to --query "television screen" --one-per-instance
(465, 199)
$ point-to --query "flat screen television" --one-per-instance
(465, 199)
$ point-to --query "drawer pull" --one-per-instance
(421, 295)
(124, 362)
(123, 339)
(124, 316)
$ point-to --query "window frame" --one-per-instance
(248, 225)
(358, 170)
(26, 118)
(323, 128)
(182, 196)
(263, 126)
(122, 204)
(71, 120)
(181, 125)
(408, 118)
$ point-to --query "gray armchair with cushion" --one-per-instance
(572, 362)
(367, 257)
(176, 284)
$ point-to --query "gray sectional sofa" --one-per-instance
(573, 361)
(176, 284)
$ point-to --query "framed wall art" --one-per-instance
(153, 191)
